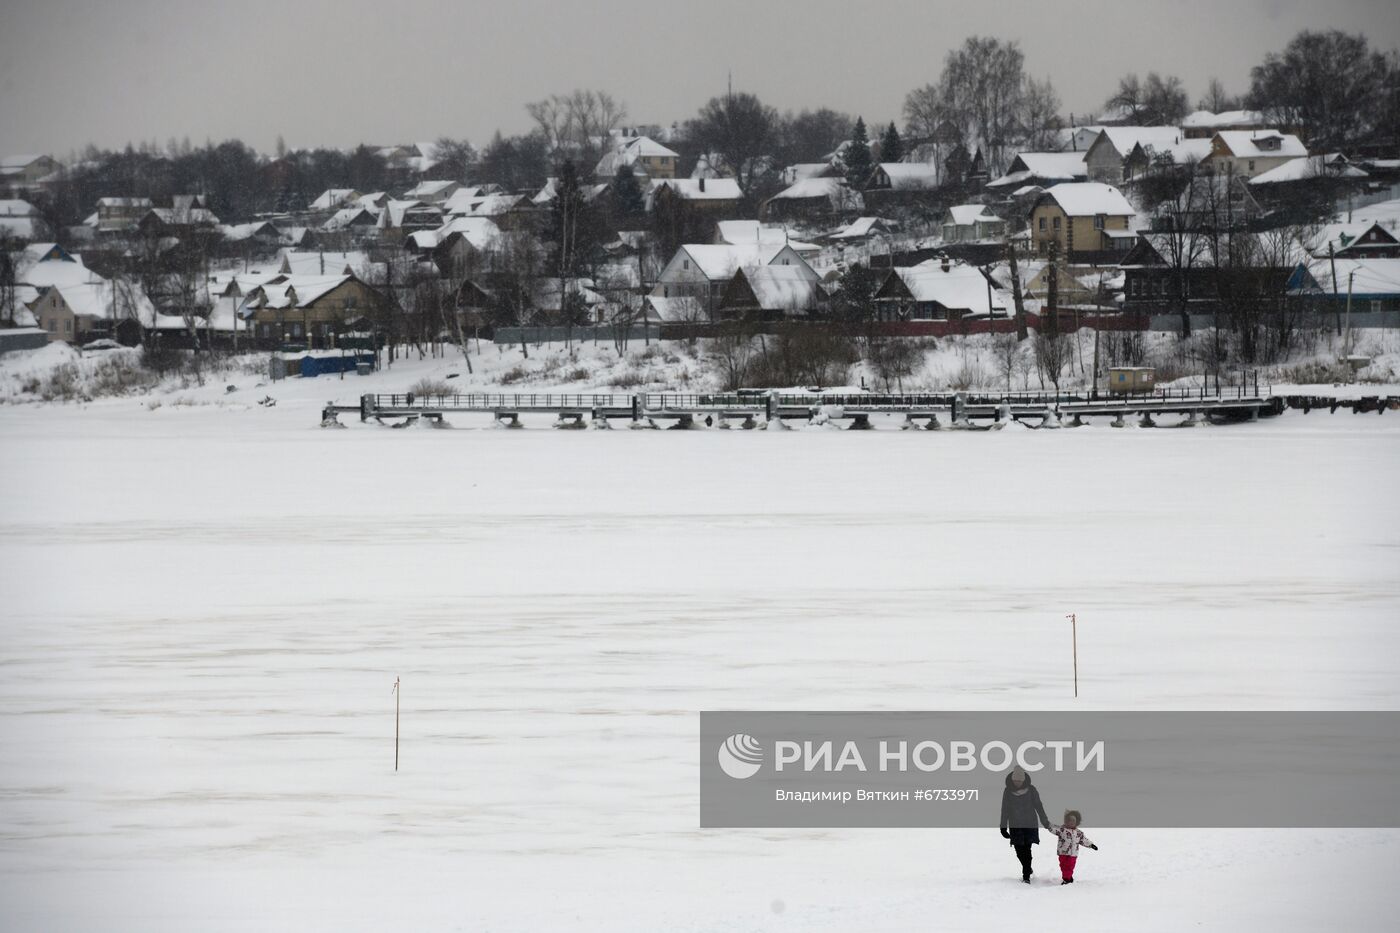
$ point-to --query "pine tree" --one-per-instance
(627, 193)
(891, 146)
(858, 155)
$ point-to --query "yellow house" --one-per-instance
(308, 309)
(645, 155)
(1246, 153)
(1082, 219)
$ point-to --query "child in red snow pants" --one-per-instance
(1067, 867)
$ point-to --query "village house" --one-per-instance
(771, 293)
(701, 271)
(19, 220)
(1369, 285)
(1121, 153)
(432, 192)
(892, 183)
(119, 215)
(644, 155)
(716, 197)
(1204, 125)
(1042, 169)
(813, 199)
(333, 199)
(939, 290)
(967, 222)
(22, 173)
(72, 303)
(755, 232)
(864, 228)
(1163, 270)
(307, 310)
(1247, 154)
(187, 213)
(1086, 221)
(1360, 240)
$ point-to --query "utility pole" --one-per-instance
(1074, 647)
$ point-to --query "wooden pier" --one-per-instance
(938, 410)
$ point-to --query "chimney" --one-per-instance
(944, 257)
(702, 184)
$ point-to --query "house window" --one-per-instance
(1057, 223)
(1251, 165)
(1042, 222)
(296, 330)
(68, 326)
(665, 291)
(1098, 221)
(53, 326)
(685, 263)
(1375, 307)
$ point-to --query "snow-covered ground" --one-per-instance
(207, 603)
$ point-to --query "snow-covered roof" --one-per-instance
(1124, 138)
(805, 170)
(14, 207)
(14, 163)
(350, 216)
(236, 232)
(745, 232)
(296, 262)
(428, 189)
(19, 227)
(715, 189)
(965, 215)
(1244, 144)
(333, 198)
(1079, 199)
(1206, 120)
(859, 228)
(1340, 235)
(1367, 277)
(1328, 166)
(682, 308)
(478, 231)
(1061, 166)
(306, 288)
(782, 288)
(629, 151)
(488, 205)
(124, 202)
(718, 261)
(185, 216)
(909, 176)
(812, 188)
(961, 287)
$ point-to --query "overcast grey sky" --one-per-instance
(338, 72)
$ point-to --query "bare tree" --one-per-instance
(741, 130)
(1216, 99)
(577, 123)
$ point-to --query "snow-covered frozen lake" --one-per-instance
(205, 610)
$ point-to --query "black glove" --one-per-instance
(1004, 833)
(1094, 847)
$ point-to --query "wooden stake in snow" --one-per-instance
(1074, 647)
(395, 691)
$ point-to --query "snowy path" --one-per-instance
(205, 609)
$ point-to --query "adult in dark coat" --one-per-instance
(1021, 810)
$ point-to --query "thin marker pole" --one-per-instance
(397, 695)
(1074, 643)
